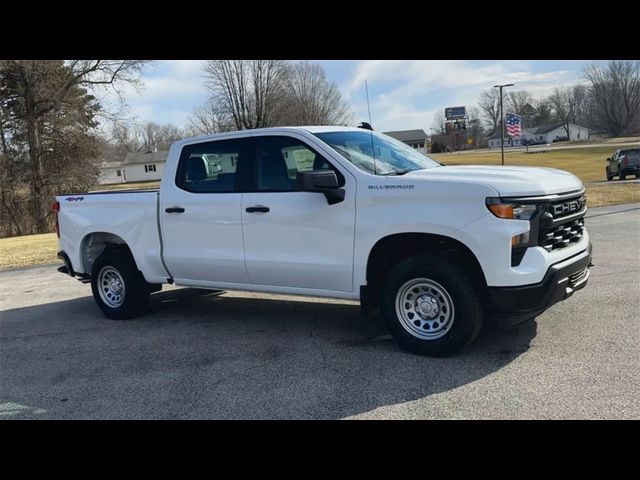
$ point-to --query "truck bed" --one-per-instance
(129, 216)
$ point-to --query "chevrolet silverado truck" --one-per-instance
(337, 212)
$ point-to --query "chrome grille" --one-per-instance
(561, 235)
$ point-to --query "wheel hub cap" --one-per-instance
(111, 287)
(425, 308)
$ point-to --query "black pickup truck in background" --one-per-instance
(622, 163)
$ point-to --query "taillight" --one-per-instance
(625, 161)
(56, 209)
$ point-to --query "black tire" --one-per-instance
(468, 313)
(136, 289)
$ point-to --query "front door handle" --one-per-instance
(257, 209)
(174, 210)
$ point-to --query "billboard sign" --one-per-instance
(455, 113)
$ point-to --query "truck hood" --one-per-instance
(507, 180)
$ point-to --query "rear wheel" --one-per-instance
(118, 287)
(430, 306)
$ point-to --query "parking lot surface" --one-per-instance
(198, 355)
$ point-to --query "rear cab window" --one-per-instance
(213, 167)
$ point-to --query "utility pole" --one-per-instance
(502, 118)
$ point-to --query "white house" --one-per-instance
(555, 133)
(142, 167)
(110, 172)
(494, 141)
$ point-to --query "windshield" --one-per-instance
(392, 157)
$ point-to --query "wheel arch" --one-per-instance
(393, 248)
(95, 243)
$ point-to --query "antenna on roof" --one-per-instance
(365, 125)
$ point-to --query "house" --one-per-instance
(414, 138)
(555, 132)
(142, 167)
(109, 172)
(494, 141)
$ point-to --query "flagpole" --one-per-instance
(502, 118)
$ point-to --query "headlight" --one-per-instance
(514, 211)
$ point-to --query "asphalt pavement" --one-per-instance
(198, 355)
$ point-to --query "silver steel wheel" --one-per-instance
(111, 286)
(424, 308)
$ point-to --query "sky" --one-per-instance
(404, 94)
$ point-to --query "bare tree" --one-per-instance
(543, 113)
(312, 99)
(490, 108)
(516, 101)
(158, 137)
(616, 95)
(249, 91)
(439, 123)
(568, 104)
(209, 118)
(561, 102)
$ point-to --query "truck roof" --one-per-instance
(310, 129)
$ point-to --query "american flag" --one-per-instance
(514, 125)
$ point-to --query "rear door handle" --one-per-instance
(174, 210)
(257, 209)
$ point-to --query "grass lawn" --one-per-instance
(28, 250)
(586, 163)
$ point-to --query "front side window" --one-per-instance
(279, 159)
(377, 153)
(210, 167)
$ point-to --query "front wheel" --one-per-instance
(430, 306)
(118, 287)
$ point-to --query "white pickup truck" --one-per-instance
(337, 212)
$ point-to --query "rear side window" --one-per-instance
(212, 167)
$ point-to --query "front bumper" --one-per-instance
(512, 305)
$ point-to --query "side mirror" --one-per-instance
(321, 181)
(608, 159)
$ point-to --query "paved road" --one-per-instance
(266, 356)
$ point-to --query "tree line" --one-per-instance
(607, 101)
